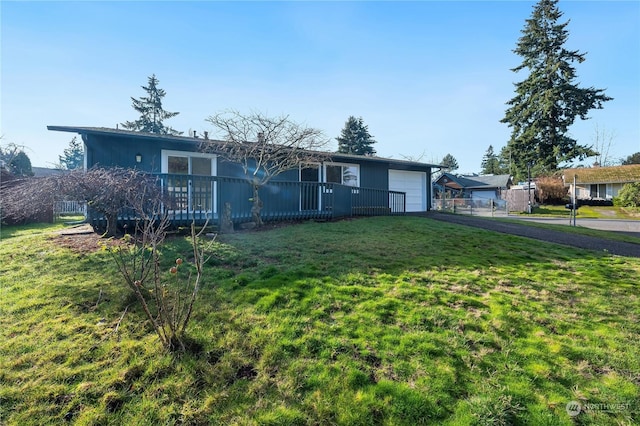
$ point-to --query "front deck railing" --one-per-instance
(202, 198)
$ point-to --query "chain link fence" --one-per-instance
(473, 207)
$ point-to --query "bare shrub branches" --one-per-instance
(166, 296)
(551, 189)
(106, 190)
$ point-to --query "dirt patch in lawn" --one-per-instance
(83, 239)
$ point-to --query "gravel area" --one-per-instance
(552, 236)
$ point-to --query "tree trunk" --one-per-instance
(257, 207)
(226, 222)
(112, 225)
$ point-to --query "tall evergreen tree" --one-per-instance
(20, 164)
(504, 160)
(450, 163)
(151, 113)
(632, 159)
(73, 156)
(490, 163)
(548, 101)
(355, 138)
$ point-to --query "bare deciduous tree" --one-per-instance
(602, 143)
(265, 147)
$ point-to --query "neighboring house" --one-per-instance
(45, 171)
(486, 187)
(203, 184)
(600, 183)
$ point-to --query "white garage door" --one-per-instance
(414, 184)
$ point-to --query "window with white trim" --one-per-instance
(342, 173)
(188, 163)
(188, 182)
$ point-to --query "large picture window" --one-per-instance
(345, 174)
(189, 181)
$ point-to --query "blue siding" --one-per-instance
(374, 175)
(109, 151)
(226, 168)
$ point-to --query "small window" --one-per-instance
(350, 175)
(334, 174)
(345, 174)
(309, 173)
(200, 166)
(178, 165)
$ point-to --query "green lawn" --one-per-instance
(387, 321)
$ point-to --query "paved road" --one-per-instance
(552, 236)
(630, 227)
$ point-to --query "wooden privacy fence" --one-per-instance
(208, 198)
(520, 200)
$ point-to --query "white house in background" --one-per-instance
(600, 183)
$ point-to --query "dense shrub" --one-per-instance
(629, 195)
(105, 190)
(9, 189)
(595, 203)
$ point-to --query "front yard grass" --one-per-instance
(398, 320)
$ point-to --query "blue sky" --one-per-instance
(428, 78)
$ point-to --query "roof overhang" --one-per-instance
(194, 141)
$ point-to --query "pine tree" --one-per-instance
(73, 156)
(632, 159)
(449, 163)
(504, 161)
(548, 101)
(20, 165)
(151, 113)
(490, 163)
(355, 138)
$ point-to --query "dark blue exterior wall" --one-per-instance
(225, 168)
(109, 151)
(228, 169)
(374, 175)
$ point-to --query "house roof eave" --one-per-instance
(194, 141)
(602, 175)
